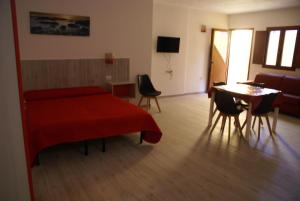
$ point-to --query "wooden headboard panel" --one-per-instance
(45, 74)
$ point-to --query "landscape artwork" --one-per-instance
(59, 24)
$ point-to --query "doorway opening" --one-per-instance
(230, 56)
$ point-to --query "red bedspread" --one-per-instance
(68, 119)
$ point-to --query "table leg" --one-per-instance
(211, 108)
(249, 120)
(275, 117)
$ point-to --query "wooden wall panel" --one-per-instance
(45, 74)
(260, 44)
(296, 62)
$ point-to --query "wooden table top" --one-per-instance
(246, 90)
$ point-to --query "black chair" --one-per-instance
(227, 108)
(262, 110)
(147, 90)
(217, 84)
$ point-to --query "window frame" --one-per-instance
(282, 30)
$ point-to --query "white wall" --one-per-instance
(13, 175)
(190, 65)
(118, 26)
(262, 20)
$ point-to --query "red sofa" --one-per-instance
(290, 87)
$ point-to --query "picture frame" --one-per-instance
(59, 24)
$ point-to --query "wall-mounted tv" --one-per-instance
(168, 44)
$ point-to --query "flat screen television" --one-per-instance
(168, 44)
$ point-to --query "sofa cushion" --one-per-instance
(272, 81)
(291, 99)
(290, 85)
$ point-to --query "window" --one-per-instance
(281, 47)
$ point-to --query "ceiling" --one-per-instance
(234, 6)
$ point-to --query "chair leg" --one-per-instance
(244, 124)
(223, 123)
(215, 112)
(259, 124)
(236, 118)
(269, 125)
(141, 137)
(157, 104)
(215, 123)
(148, 103)
(103, 144)
(254, 122)
(229, 125)
(86, 148)
(140, 101)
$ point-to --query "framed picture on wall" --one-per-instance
(59, 24)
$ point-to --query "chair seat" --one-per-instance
(152, 93)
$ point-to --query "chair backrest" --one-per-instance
(145, 84)
(225, 103)
(257, 84)
(266, 104)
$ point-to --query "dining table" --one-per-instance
(252, 95)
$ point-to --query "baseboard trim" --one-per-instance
(176, 95)
(184, 94)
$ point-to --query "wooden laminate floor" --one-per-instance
(187, 164)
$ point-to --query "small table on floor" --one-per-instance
(122, 89)
(252, 95)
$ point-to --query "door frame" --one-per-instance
(228, 51)
(210, 53)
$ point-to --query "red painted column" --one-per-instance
(22, 108)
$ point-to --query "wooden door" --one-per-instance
(218, 66)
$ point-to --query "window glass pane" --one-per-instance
(273, 48)
(288, 48)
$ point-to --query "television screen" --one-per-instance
(168, 44)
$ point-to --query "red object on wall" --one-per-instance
(109, 61)
(109, 58)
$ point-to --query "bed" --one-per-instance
(57, 116)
